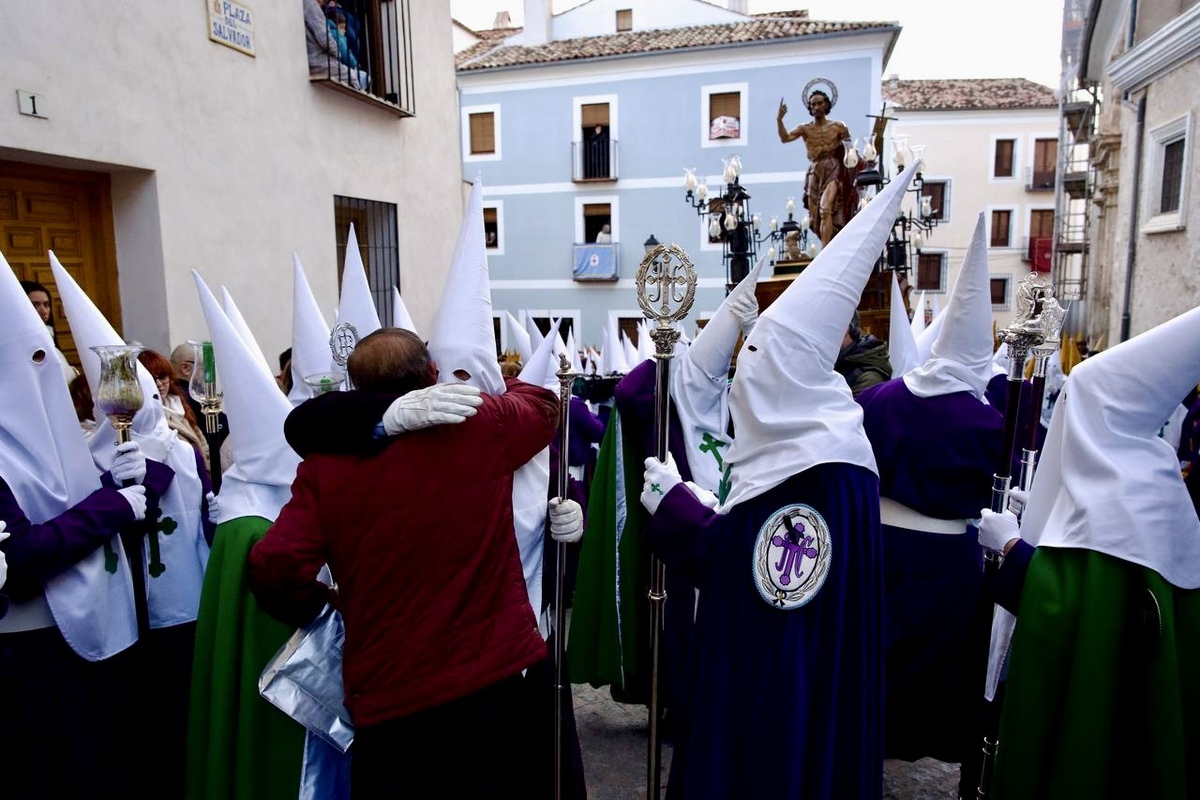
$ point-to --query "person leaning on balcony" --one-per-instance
(323, 55)
(605, 235)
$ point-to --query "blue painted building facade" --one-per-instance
(573, 124)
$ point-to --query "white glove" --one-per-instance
(441, 404)
(213, 507)
(566, 520)
(745, 310)
(129, 466)
(703, 495)
(136, 497)
(3, 560)
(997, 530)
(660, 478)
(1017, 500)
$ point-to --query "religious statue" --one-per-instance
(829, 194)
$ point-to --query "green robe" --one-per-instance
(609, 630)
(240, 747)
(1100, 703)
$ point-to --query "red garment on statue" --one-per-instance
(420, 541)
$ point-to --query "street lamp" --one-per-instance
(650, 243)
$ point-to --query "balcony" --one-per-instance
(596, 262)
(1078, 116)
(366, 53)
(1039, 180)
(595, 161)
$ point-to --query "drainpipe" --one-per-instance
(1131, 249)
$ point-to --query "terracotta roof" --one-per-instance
(761, 28)
(965, 94)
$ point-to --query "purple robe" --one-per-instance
(785, 704)
(936, 455)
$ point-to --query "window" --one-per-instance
(543, 321)
(629, 327)
(1172, 177)
(375, 229)
(481, 133)
(938, 193)
(596, 156)
(931, 272)
(1000, 297)
(1166, 188)
(1041, 238)
(1005, 158)
(723, 114)
(1001, 228)
(624, 20)
(597, 223)
(493, 227)
(363, 46)
(1045, 154)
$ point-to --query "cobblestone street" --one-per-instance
(613, 737)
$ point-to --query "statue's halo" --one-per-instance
(817, 83)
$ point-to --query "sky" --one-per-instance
(940, 38)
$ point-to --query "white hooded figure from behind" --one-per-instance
(174, 564)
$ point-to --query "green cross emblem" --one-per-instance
(167, 526)
(709, 444)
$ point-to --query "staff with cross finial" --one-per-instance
(666, 289)
(1024, 333)
(566, 379)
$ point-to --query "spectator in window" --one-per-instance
(596, 164)
(492, 240)
(324, 60)
(605, 235)
(337, 31)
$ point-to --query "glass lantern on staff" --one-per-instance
(205, 389)
(119, 395)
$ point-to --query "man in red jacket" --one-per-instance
(419, 538)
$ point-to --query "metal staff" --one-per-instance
(666, 288)
(566, 378)
(1024, 333)
(206, 390)
(1051, 318)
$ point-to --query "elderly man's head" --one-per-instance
(391, 360)
(183, 361)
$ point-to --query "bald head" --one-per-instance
(391, 360)
(182, 361)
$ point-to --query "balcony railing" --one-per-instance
(596, 262)
(1039, 180)
(365, 50)
(594, 161)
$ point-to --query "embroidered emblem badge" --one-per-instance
(791, 556)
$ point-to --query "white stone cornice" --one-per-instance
(1177, 42)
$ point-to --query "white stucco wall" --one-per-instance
(227, 164)
(960, 149)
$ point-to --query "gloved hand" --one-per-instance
(566, 520)
(3, 560)
(660, 478)
(745, 310)
(213, 507)
(129, 466)
(997, 530)
(136, 497)
(441, 404)
(1017, 500)
(703, 495)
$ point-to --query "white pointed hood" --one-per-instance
(645, 345)
(612, 353)
(260, 480)
(44, 459)
(1106, 481)
(631, 353)
(700, 386)
(532, 331)
(918, 318)
(961, 356)
(89, 329)
(542, 367)
(234, 314)
(573, 352)
(463, 338)
(520, 338)
(790, 410)
(402, 317)
(310, 336)
(928, 336)
(936, 308)
(172, 596)
(902, 345)
(356, 306)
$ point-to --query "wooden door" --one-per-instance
(69, 212)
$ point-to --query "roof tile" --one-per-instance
(967, 94)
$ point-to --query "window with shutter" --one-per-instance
(1004, 157)
(931, 272)
(1001, 223)
(624, 20)
(483, 133)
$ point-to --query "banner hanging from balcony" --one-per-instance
(596, 262)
